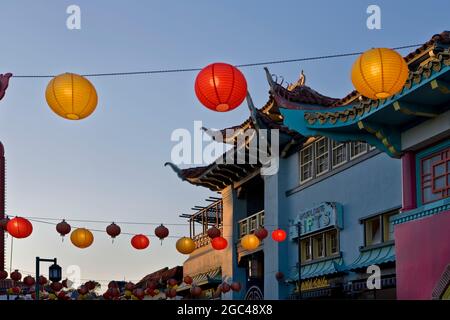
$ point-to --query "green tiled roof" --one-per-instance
(374, 256)
(320, 268)
(212, 276)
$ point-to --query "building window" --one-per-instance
(321, 245)
(357, 148)
(339, 153)
(306, 158)
(379, 229)
(435, 176)
(321, 157)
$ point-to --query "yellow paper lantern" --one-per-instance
(250, 242)
(71, 96)
(379, 73)
(82, 238)
(185, 245)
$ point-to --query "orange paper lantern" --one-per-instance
(185, 245)
(379, 73)
(82, 238)
(220, 87)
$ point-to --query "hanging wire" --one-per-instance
(245, 65)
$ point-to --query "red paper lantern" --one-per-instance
(152, 285)
(196, 291)
(172, 282)
(140, 242)
(171, 293)
(16, 290)
(213, 232)
(279, 275)
(63, 228)
(113, 230)
(161, 232)
(236, 286)
(29, 281)
(188, 280)
(3, 275)
(219, 243)
(225, 287)
(113, 284)
(56, 286)
(42, 280)
(220, 87)
(19, 227)
(279, 235)
(139, 293)
(106, 295)
(129, 286)
(16, 275)
(261, 233)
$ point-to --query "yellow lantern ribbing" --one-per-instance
(250, 242)
(71, 96)
(82, 238)
(185, 245)
(379, 73)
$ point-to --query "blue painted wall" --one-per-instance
(369, 187)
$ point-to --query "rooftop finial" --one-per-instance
(300, 82)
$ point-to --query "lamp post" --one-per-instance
(299, 232)
(54, 273)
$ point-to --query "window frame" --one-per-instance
(325, 155)
(384, 227)
(309, 241)
(427, 180)
(311, 162)
(352, 143)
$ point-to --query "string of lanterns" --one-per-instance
(377, 74)
(19, 227)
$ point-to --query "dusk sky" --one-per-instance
(110, 165)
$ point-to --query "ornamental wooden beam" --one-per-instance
(415, 109)
(389, 137)
(441, 85)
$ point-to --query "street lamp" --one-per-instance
(54, 273)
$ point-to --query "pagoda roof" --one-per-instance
(380, 122)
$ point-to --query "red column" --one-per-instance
(409, 181)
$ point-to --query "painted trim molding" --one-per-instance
(427, 210)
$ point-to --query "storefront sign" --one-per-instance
(327, 214)
(317, 283)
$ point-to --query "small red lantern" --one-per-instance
(196, 291)
(279, 275)
(29, 281)
(152, 285)
(140, 242)
(188, 280)
(56, 286)
(3, 275)
(129, 286)
(171, 293)
(63, 228)
(113, 284)
(19, 227)
(225, 287)
(236, 286)
(113, 230)
(261, 233)
(139, 293)
(220, 87)
(219, 243)
(213, 232)
(161, 232)
(16, 290)
(4, 223)
(42, 280)
(16, 275)
(279, 235)
(172, 282)
(106, 295)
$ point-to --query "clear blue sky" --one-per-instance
(110, 166)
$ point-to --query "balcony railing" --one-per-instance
(250, 224)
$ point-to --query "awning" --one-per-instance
(373, 256)
(320, 269)
(213, 276)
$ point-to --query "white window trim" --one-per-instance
(317, 157)
(346, 148)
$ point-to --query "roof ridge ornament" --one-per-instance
(300, 82)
